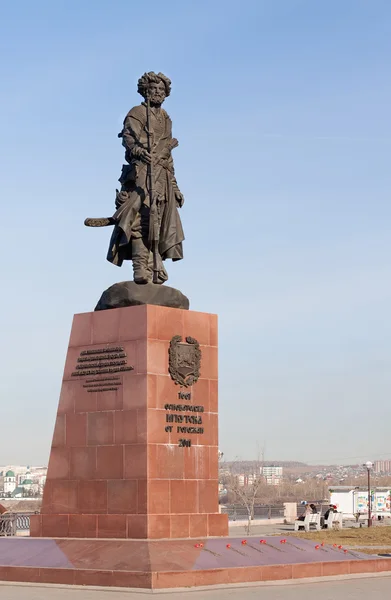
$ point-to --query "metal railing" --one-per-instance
(11, 523)
(240, 513)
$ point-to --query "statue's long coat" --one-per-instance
(134, 182)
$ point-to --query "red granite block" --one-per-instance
(55, 525)
(169, 322)
(156, 427)
(210, 426)
(165, 462)
(125, 427)
(59, 464)
(105, 327)
(135, 391)
(142, 357)
(197, 325)
(183, 496)
(158, 496)
(133, 323)
(122, 496)
(83, 526)
(71, 363)
(335, 568)
(110, 400)
(167, 391)
(93, 497)
(65, 576)
(76, 429)
(81, 333)
(94, 577)
(110, 462)
(196, 462)
(217, 524)
(83, 463)
(86, 402)
(64, 497)
(363, 566)
(142, 496)
(208, 497)
(200, 394)
(69, 391)
(35, 526)
(152, 322)
(135, 461)
(303, 570)
(244, 574)
(213, 395)
(158, 526)
(198, 525)
(111, 526)
(142, 425)
(137, 526)
(277, 572)
(152, 391)
(174, 579)
(209, 363)
(59, 431)
(383, 564)
(180, 526)
(100, 428)
(213, 462)
(211, 577)
(157, 357)
(20, 574)
(132, 580)
(213, 330)
(130, 349)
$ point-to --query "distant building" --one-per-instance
(382, 466)
(9, 482)
(272, 474)
(246, 480)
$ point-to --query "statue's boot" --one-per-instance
(140, 257)
(162, 273)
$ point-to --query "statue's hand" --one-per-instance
(180, 198)
(145, 157)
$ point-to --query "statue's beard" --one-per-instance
(157, 99)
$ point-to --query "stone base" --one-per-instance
(175, 563)
(129, 293)
(156, 526)
(118, 466)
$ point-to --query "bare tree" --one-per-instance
(247, 493)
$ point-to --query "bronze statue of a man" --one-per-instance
(147, 226)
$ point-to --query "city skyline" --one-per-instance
(281, 110)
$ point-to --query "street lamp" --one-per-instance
(368, 465)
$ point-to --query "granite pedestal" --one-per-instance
(134, 455)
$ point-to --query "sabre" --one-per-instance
(154, 217)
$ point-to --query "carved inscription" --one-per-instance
(102, 361)
(185, 424)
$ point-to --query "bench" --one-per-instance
(334, 521)
(310, 520)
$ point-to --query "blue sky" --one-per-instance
(281, 109)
